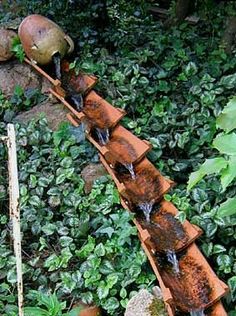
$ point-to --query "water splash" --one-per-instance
(103, 135)
(77, 101)
(57, 63)
(130, 167)
(172, 258)
(199, 312)
(147, 209)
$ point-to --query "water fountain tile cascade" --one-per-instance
(196, 286)
(148, 184)
(100, 114)
(198, 282)
(124, 148)
(81, 82)
(190, 232)
(88, 81)
(105, 110)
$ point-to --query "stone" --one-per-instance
(54, 112)
(14, 73)
(145, 304)
(91, 173)
(6, 38)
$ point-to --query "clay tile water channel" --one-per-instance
(189, 285)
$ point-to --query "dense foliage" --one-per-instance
(83, 246)
(173, 83)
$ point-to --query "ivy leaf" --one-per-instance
(226, 120)
(232, 286)
(227, 208)
(87, 297)
(226, 144)
(65, 241)
(218, 249)
(111, 304)
(66, 162)
(123, 293)
(100, 250)
(112, 279)
(61, 178)
(106, 267)
(49, 229)
(35, 201)
(229, 81)
(102, 291)
(210, 166)
(229, 173)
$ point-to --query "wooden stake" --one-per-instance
(15, 210)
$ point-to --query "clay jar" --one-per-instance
(41, 39)
(6, 37)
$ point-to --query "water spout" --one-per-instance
(199, 312)
(147, 209)
(103, 135)
(77, 101)
(172, 258)
(57, 63)
(130, 168)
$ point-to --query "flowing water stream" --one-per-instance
(199, 312)
(103, 135)
(130, 168)
(77, 101)
(57, 63)
(147, 209)
(172, 258)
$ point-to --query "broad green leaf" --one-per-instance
(61, 178)
(229, 173)
(35, 201)
(232, 286)
(100, 250)
(112, 279)
(65, 241)
(66, 162)
(207, 248)
(227, 208)
(49, 229)
(87, 297)
(35, 311)
(210, 166)
(111, 304)
(102, 290)
(123, 293)
(226, 144)
(227, 119)
(218, 249)
(229, 81)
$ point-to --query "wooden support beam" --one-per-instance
(15, 210)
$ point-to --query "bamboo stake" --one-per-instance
(15, 210)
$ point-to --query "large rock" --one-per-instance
(91, 173)
(54, 112)
(14, 73)
(145, 304)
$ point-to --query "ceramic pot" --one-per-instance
(6, 37)
(42, 38)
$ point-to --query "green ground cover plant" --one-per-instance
(83, 246)
(173, 82)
